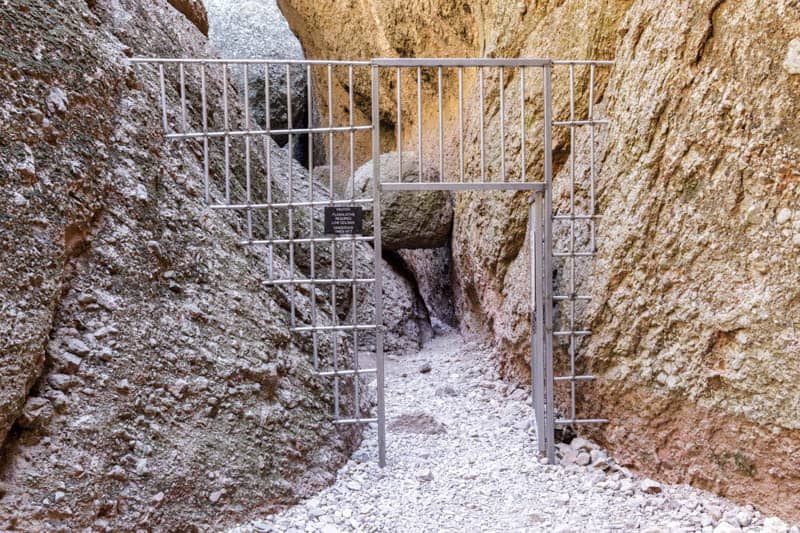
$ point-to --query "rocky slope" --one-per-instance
(148, 379)
(696, 286)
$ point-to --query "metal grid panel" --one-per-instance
(419, 102)
(284, 219)
(332, 265)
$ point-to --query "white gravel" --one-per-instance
(482, 473)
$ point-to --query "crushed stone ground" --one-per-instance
(461, 457)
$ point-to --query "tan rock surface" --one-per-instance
(696, 286)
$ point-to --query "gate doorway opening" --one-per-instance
(317, 243)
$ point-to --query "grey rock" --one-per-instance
(579, 443)
(425, 368)
(725, 527)
(408, 220)
(257, 28)
(424, 475)
(583, 459)
(77, 346)
(116, 472)
(649, 486)
(62, 382)
(178, 388)
(445, 391)
(419, 423)
(36, 413)
(774, 524)
(67, 362)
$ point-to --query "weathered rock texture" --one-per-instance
(256, 29)
(148, 367)
(194, 10)
(696, 287)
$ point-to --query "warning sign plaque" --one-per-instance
(344, 220)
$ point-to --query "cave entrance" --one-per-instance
(321, 246)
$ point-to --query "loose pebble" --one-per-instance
(484, 473)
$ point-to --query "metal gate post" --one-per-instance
(547, 290)
(538, 386)
(378, 283)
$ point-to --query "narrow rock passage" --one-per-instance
(461, 458)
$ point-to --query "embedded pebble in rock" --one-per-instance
(483, 473)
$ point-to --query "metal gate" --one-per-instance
(284, 207)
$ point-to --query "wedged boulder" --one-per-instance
(256, 29)
(408, 219)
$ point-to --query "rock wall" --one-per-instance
(696, 292)
(148, 379)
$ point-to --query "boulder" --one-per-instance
(408, 219)
(257, 29)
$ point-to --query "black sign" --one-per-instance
(344, 220)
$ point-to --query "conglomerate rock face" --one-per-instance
(696, 287)
(148, 380)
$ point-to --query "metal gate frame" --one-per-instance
(540, 213)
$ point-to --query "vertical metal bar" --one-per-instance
(227, 136)
(502, 124)
(354, 270)
(399, 130)
(334, 315)
(268, 144)
(204, 106)
(247, 184)
(419, 121)
(572, 339)
(351, 123)
(538, 386)
(312, 272)
(182, 76)
(290, 208)
(591, 162)
(378, 283)
(461, 124)
(522, 149)
(547, 289)
(330, 131)
(355, 320)
(480, 116)
(441, 127)
(163, 97)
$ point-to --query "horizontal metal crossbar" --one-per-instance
(596, 62)
(584, 377)
(343, 327)
(571, 333)
(308, 281)
(355, 421)
(576, 217)
(254, 133)
(305, 240)
(466, 186)
(595, 122)
(574, 254)
(250, 61)
(284, 205)
(567, 297)
(481, 62)
(347, 372)
(564, 421)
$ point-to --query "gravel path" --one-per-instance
(461, 458)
